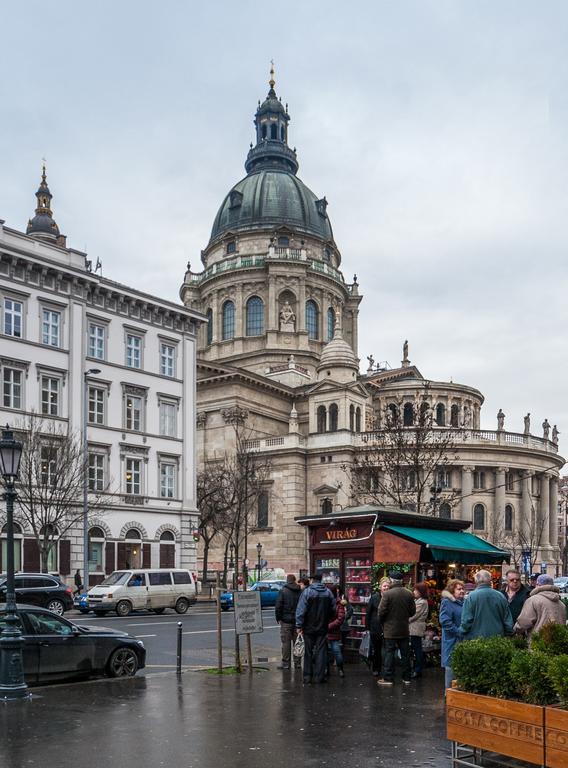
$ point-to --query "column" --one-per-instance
(467, 487)
(272, 319)
(526, 506)
(544, 512)
(301, 312)
(553, 514)
(498, 522)
(216, 317)
(239, 313)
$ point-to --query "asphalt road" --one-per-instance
(199, 633)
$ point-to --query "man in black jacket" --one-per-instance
(285, 610)
(396, 607)
(316, 608)
(515, 592)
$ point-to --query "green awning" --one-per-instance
(455, 546)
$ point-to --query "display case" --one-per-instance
(358, 591)
(330, 569)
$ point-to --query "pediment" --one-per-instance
(328, 489)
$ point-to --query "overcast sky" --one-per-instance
(437, 129)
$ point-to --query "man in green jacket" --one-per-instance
(486, 611)
(395, 609)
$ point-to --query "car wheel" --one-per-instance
(159, 611)
(123, 663)
(56, 606)
(182, 605)
(100, 613)
(83, 611)
(224, 607)
(123, 608)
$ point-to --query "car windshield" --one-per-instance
(118, 577)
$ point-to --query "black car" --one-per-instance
(40, 589)
(55, 648)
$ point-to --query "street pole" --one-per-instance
(219, 626)
(12, 682)
(94, 372)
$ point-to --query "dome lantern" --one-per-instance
(42, 226)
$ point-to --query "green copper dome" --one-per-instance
(271, 195)
(269, 198)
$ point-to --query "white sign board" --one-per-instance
(248, 615)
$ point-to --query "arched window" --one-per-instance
(133, 534)
(441, 415)
(392, 415)
(284, 241)
(358, 420)
(96, 548)
(96, 533)
(333, 417)
(445, 511)
(455, 416)
(255, 316)
(326, 507)
(508, 517)
(282, 134)
(263, 131)
(312, 319)
(167, 550)
(321, 418)
(408, 415)
(326, 255)
(209, 326)
(262, 510)
(330, 323)
(228, 318)
(352, 418)
(479, 517)
(273, 131)
(231, 246)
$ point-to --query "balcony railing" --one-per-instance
(240, 262)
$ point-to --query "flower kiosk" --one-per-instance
(358, 545)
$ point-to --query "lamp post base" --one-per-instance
(12, 683)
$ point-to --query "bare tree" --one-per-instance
(50, 487)
(215, 500)
(406, 460)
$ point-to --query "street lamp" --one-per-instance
(12, 683)
(258, 551)
(89, 372)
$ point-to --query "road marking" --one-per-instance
(140, 636)
(229, 629)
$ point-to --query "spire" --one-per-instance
(42, 226)
(271, 122)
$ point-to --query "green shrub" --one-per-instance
(483, 666)
(551, 639)
(530, 676)
(558, 675)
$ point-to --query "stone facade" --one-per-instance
(282, 344)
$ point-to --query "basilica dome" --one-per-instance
(271, 195)
(268, 198)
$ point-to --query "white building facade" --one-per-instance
(67, 332)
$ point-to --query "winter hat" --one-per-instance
(396, 575)
(543, 579)
(290, 579)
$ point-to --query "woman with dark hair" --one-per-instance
(450, 621)
(334, 630)
(418, 626)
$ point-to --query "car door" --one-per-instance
(137, 591)
(160, 589)
(63, 650)
(30, 650)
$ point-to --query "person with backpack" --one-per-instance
(316, 608)
(374, 626)
(285, 612)
(418, 626)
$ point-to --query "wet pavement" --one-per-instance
(265, 720)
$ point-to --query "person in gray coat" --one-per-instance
(544, 606)
(486, 611)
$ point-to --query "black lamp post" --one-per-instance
(12, 683)
(258, 551)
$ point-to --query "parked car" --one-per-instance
(153, 589)
(562, 583)
(268, 593)
(41, 589)
(55, 648)
(81, 603)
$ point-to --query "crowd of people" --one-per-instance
(396, 620)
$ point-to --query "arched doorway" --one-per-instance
(133, 548)
(167, 550)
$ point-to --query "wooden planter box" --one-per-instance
(556, 737)
(497, 725)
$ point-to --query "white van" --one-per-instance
(138, 589)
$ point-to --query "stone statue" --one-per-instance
(467, 417)
(405, 352)
(528, 424)
(500, 419)
(545, 429)
(371, 360)
(555, 434)
(287, 318)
